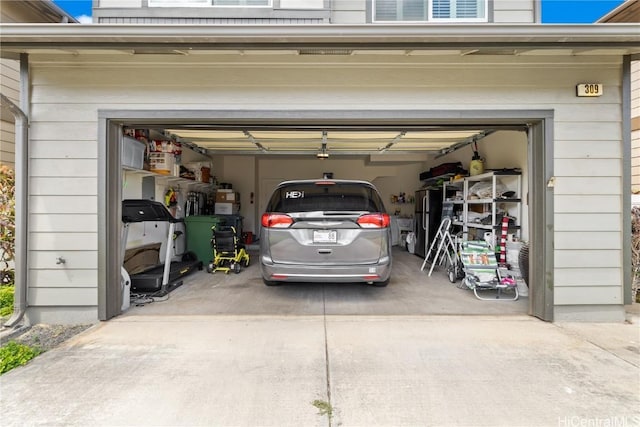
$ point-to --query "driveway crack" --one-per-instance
(326, 354)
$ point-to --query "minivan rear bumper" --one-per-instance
(367, 273)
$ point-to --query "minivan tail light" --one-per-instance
(375, 220)
(274, 220)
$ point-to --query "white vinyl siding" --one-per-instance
(205, 3)
(179, 3)
(10, 87)
(587, 143)
(513, 11)
(119, 3)
(349, 12)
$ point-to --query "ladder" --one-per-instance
(445, 246)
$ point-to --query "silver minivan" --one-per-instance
(325, 231)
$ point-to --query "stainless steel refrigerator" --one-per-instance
(428, 213)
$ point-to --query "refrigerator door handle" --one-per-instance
(425, 212)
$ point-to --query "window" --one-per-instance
(458, 10)
(430, 10)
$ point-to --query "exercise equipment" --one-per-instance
(161, 278)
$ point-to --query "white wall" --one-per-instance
(389, 179)
(68, 90)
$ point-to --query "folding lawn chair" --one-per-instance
(482, 272)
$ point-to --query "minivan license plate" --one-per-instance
(325, 236)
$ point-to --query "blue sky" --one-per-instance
(553, 11)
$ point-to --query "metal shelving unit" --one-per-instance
(511, 180)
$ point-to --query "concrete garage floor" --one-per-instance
(410, 292)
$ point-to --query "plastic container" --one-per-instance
(133, 153)
(199, 235)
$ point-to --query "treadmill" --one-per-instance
(162, 278)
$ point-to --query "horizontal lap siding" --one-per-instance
(9, 87)
(588, 154)
(63, 204)
(588, 200)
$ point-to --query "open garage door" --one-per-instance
(263, 142)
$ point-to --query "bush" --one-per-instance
(6, 300)
(7, 222)
(635, 252)
(13, 355)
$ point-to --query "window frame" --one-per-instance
(430, 17)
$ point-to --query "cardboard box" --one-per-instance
(227, 208)
(227, 196)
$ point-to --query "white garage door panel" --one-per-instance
(588, 295)
(588, 277)
(65, 278)
(587, 204)
(74, 260)
(63, 241)
(587, 258)
(64, 204)
(587, 186)
(587, 149)
(590, 240)
(70, 186)
(63, 296)
(59, 223)
(64, 167)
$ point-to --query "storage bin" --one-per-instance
(199, 235)
(133, 153)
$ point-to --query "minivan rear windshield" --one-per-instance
(311, 197)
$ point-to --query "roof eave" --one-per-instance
(363, 36)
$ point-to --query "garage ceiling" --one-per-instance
(327, 142)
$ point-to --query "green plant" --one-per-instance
(14, 354)
(635, 252)
(324, 407)
(6, 300)
(7, 222)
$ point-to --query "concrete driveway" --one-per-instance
(225, 350)
(231, 370)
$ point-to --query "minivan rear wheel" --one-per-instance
(270, 282)
(380, 284)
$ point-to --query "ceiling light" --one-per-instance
(323, 154)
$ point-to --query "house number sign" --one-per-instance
(589, 89)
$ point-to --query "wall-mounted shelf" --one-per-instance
(172, 180)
